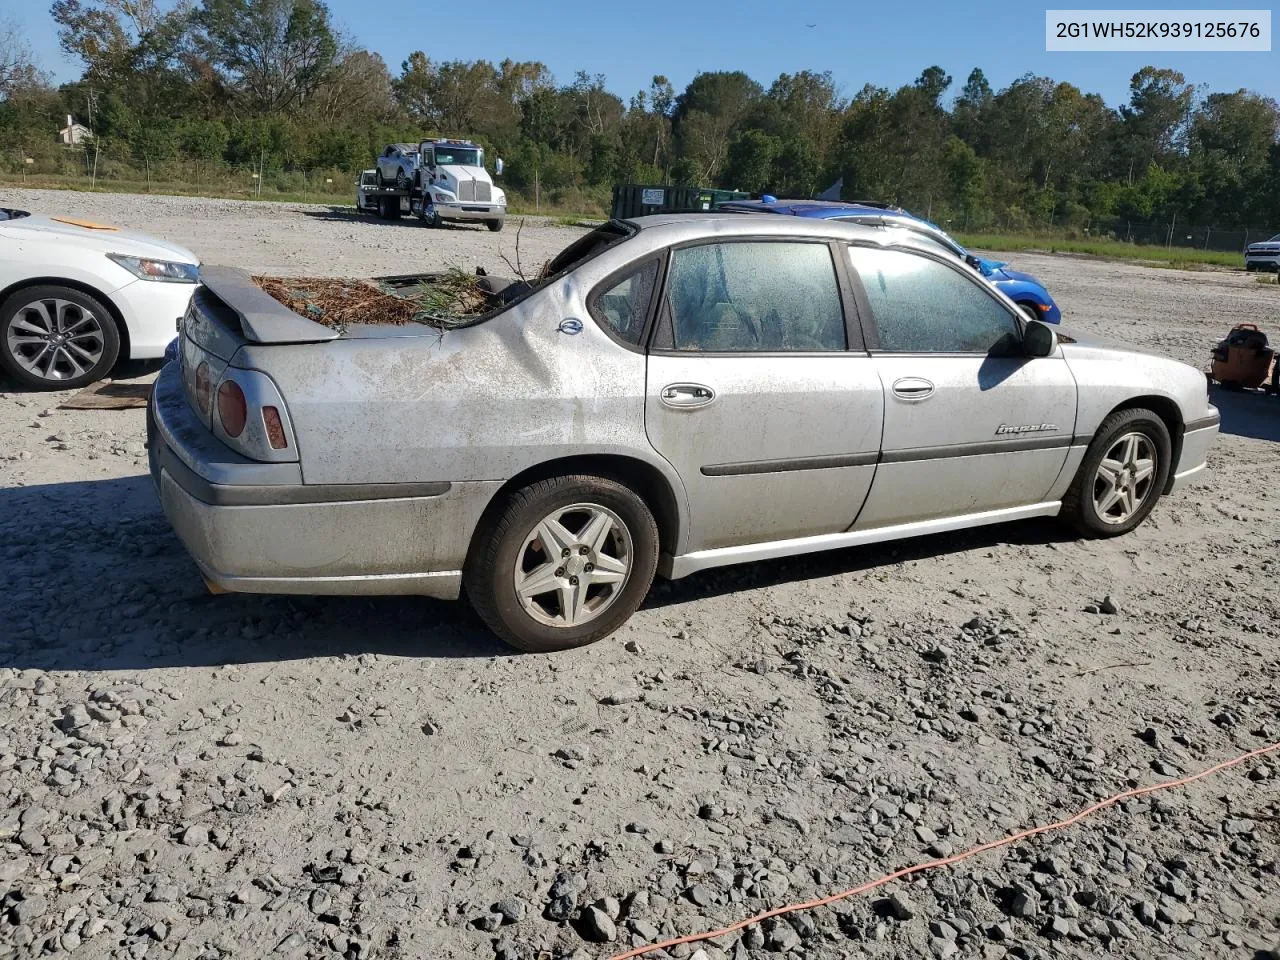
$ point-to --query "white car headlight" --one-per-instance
(166, 271)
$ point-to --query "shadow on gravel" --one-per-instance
(1247, 414)
(351, 215)
(769, 573)
(94, 579)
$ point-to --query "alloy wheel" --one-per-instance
(1124, 478)
(56, 339)
(573, 565)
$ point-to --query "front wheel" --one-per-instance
(562, 562)
(1122, 476)
(493, 225)
(57, 338)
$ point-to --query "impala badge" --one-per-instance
(1005, 429)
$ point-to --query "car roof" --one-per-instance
(405, 147)
(819, 209)
(672, 228)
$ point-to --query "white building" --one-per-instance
(73, 134)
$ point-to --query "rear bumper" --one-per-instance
(1196, 442)
(249, 532)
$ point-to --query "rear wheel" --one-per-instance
(1122, 476)
(562, 562)
(389, 208)
(57, 338)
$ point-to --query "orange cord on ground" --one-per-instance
(982, 848)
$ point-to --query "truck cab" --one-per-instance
(455, 186)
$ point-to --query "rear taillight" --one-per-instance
(275, 429)
(252, 417)
(204, 388)
(232, 409)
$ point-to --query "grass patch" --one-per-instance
(343, 195)
(1109, 249)
(163, 188)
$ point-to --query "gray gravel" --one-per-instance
(191, 776)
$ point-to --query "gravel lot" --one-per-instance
(191, 776)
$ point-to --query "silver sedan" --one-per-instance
(674, 393)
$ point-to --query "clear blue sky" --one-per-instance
(885, 43)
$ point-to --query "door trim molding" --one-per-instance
(824, 462)
(675, 567)
(984, 448)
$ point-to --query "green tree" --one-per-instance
(274, 54)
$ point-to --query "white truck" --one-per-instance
(442, 180)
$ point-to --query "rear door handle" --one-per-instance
(912, 388)
(686, 395)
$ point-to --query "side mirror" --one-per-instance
(497, 167)
(1038, 339)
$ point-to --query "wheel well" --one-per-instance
(121, 328)
(645, 479)
(1168, 412)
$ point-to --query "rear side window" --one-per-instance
(754, 297)
(922, 306)
(623, 305)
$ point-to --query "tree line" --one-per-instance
(274, 83)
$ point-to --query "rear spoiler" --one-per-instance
(263, 319)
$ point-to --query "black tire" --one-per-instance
(499, 546)
(402, 180)
(1030, 310)
(1079, 506)
(105, 346)
(389, 208)
(493, 225)
(431, 219)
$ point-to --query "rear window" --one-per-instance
(584, 248)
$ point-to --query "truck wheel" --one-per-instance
(493, 225)
(430, 216)
(562, 562)
(389, 208)
(1122, 475)
(56, 338)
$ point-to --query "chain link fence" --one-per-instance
(85, 167)
(1172, 233)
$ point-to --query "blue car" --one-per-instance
(1022, 288)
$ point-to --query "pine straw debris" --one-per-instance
(439, 300)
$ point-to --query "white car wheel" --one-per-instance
(57, 338)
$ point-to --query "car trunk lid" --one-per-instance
(234, 305)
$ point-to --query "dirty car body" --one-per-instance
(735, 388)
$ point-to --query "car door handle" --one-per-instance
(912, 388)
(686, 395)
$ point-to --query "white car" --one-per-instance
(1264, 255)
(76, 296)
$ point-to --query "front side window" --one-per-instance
(754, 297)
(623, 305)
(922, 306)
